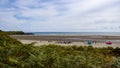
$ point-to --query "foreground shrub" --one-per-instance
(116, 64)
(116, 51)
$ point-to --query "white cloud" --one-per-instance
(63, 15)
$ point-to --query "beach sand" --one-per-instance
(65, 40)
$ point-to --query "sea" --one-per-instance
(76, 33)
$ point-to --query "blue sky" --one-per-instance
(60, 15)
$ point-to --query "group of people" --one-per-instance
(86, 42)
(64, 42)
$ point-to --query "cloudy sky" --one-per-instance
(60, 15)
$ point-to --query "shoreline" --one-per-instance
(98, 40)
(71, 37)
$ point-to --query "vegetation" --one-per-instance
(14, 54)
(6, 40)
(17, 33)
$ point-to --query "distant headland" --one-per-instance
(17, 33)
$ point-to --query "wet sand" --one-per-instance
(79, 40)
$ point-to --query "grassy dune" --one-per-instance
(14, 54)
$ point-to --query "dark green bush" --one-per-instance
(116, 51)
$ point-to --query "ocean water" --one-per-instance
(75, 33)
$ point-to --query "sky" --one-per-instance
(60, 15)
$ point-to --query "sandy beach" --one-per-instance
(79, 40)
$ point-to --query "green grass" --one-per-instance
(14, 54)
(6, 40)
